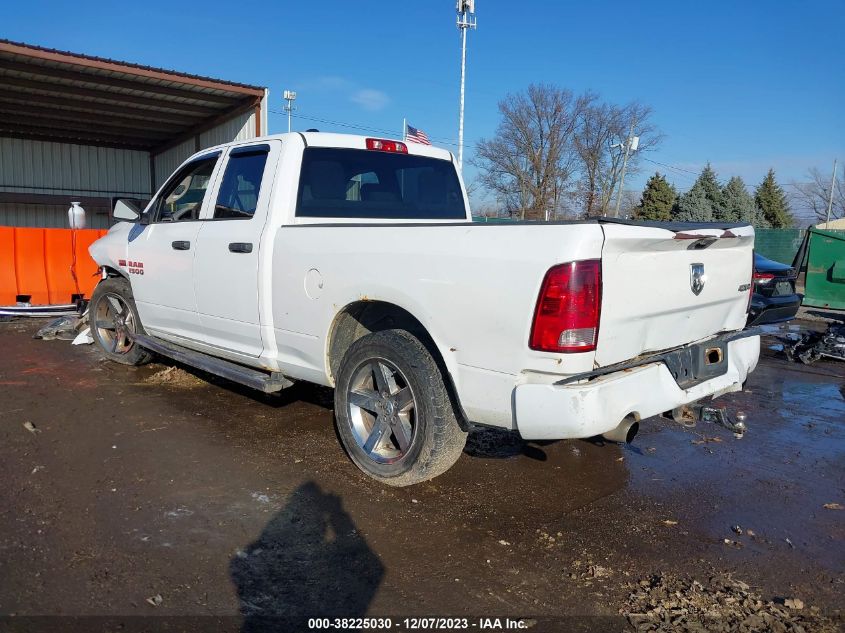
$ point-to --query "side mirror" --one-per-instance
(127, 209)
(145, 218)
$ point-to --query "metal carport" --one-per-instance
(77, 127)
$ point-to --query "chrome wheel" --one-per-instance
(382, 411)
(115, 323)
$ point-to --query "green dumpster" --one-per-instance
(825, 286)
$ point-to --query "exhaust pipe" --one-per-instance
(625, 432)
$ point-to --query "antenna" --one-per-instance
(466, 20)
(290, 97)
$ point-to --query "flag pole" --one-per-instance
(404, 137)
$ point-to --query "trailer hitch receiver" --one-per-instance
(690, 414)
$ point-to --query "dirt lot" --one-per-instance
(137, 493)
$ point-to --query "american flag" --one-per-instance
(416, 135)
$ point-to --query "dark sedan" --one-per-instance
(774, 298)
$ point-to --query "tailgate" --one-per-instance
(652, 295)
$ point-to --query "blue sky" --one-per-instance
(744, 85)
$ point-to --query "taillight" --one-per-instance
(566, 319)
(383, 145)
(762, 278)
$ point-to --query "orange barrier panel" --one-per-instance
(41, 263)
(30, 267)
(8, 279)
(58, 265)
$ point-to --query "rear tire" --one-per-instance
(393, 412)
(113, 317)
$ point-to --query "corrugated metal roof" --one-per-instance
(47, 94)
(127, 65)
(18, 64)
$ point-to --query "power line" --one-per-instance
(364, 128)
(339, 123)
(681, 169)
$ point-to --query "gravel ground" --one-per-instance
(668, 603)
(137, 492)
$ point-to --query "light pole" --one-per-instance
(631, 145)
(289, 96)
(466, 20)
(830, 197)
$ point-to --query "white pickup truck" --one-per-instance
(354, 262)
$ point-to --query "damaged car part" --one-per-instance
(815, 345)
(689, 365)
(65, 328)
(26, 310)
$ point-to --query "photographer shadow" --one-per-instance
(309, 561)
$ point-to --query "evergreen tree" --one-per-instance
(739, 206)
(694, 206)
(704, 202)
(772, 201)
(657, 200)
(712, 191)
(760, 221)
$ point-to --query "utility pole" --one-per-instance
(830, 197)
(631, 144)
(466, 20)
(289, 96)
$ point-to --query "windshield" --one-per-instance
(352, 183)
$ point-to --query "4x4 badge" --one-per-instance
(697, 278)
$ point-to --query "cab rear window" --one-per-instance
(352, 183)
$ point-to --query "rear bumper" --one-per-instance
(773, 309)
(585, 409)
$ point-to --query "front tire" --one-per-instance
(393, 411)
(113, 319)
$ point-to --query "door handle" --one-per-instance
(240, 247)
(180, 245)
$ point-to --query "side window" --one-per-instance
(241, 185)
(182, 198)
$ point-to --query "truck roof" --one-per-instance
(330, 139)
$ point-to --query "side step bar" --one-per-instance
(262, 381)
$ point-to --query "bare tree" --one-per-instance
(814, 193)
(472, 187)
(530, 163)
(595, 134)
(602, 126)
(552, 154)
